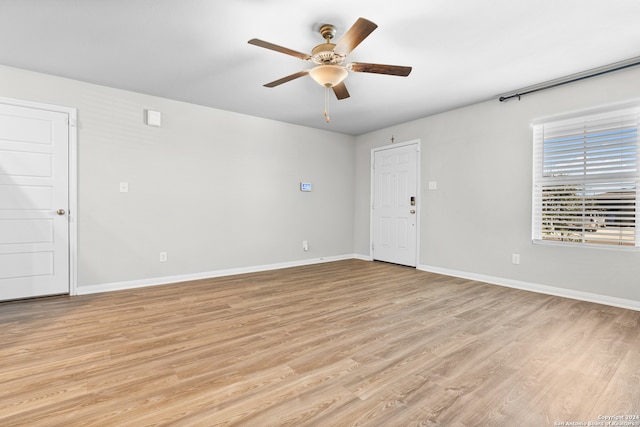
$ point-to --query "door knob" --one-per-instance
(412, 211)
(60, 212)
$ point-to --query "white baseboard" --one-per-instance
(500, 281)
(132, 284)
(534, 287)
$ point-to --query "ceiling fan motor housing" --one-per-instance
(323, 54)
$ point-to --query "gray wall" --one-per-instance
(214, 189)
(219, 190)
(481, 158)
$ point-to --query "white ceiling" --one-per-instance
(462, 51)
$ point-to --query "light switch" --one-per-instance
(433, 185)
(124, 187)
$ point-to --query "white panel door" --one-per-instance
(395, 205)
(34, 202)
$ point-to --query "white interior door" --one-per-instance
(395, 206)
(34, 202)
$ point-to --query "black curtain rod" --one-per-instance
(571, 80)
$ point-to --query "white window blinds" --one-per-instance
(585, 182)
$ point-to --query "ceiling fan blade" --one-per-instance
(287, 78)
(393, 70)
(267, 45)
(341, 91)
(354, 36)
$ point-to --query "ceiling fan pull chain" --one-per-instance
(326, 104)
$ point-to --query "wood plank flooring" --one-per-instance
(348, 343)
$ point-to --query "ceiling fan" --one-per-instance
(329, 57)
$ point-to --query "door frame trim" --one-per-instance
(418, 144)
(72, 114)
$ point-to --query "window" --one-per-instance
(586, 179)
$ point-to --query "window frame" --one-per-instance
(587, 183)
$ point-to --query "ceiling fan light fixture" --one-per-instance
(329, 75)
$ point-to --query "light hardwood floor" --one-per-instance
(337, 344)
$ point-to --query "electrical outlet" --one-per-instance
(515, 258)
(305, 245)
(124, 187)
(163, 257)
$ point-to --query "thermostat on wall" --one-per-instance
(305, 186)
